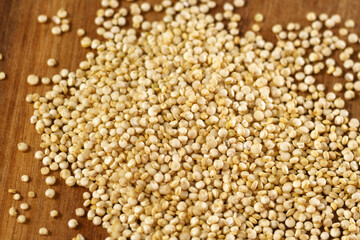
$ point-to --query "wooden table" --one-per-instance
(26, 46)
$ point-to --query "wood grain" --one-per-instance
(26, 45)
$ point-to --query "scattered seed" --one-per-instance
(2, 76)
(11, 190)
(24, 206)
(62, 13)
(42, 18)
(80, 32)
(56, 30)
(50, 193)
(79, 212)
(72, 223)
(86, 42)
(65, 27)
(258, 17)
(51, 62)
(17, 197)
(22, 147)
(54, 213)
(79, 237)
(45, 170)
(45, 80)
(50, 180)
(43, 231)
(21, 219)
(25, 178)
(12, 212)
(32, 80)
(31, 194)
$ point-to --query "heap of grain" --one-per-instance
(186, 130)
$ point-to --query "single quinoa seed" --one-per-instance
(43, 231)
(72, 223)
(22, 147)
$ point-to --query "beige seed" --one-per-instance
(42, 18)
(2, 76)
(79, 212)
(239, 3)
(338, 87)
(72, 223)
(32, 80)
(51, 62)
(56, 30)
(50, 193)
(65, 27)
(80, 32)
(54, 213)
(86, 42)
(43, 231)
(12, 212)
(31, 194)
(45, 170)
(22, 147)
(21, 219)
(62, 13)
(50, 180)
(311, 16)
(24, 206)
(45, 80)
(25, 178)
(258, 17)
(17, 197)
(11, 190)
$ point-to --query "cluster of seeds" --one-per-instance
(186, 130)
(62, 23)
(49, 193)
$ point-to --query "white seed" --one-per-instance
(42, 18)
(21, 219)
(45, 80)
(62, 13)
(50, 180)
(25, 178)
(239, 3)
(145, 7)
(54, 213)
(31, 194)
(2, 76)
(72, 223)
(22, 147)
(51, 62)
(43, 231)
(258, 17)
(32, 80)
(50, 193)
(80, 32)
(56, 30)
(12, 212)
(17, 197)
(65, 27)
(79, 212)
(86, 42)
(24, 206)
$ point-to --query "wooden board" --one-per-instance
(26, 46)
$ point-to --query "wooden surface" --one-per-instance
(27, 44)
